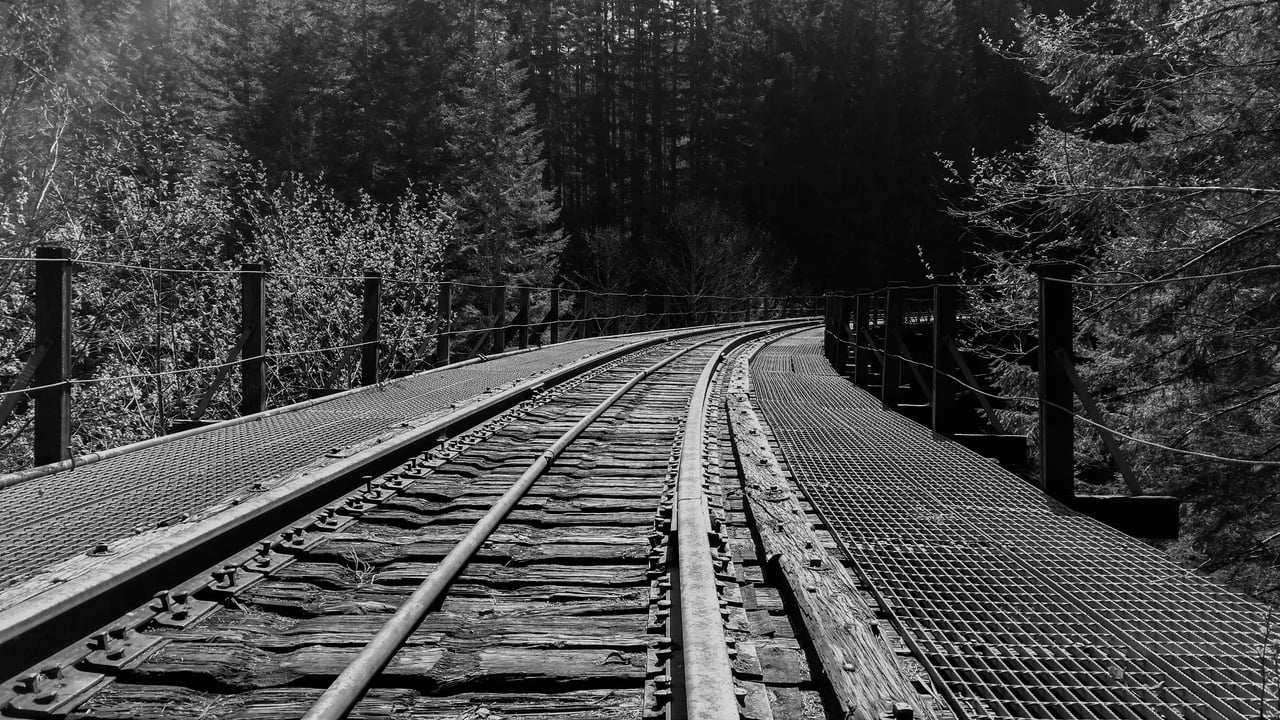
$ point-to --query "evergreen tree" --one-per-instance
(497, 169)
(1161, 186)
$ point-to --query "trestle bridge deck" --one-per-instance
(704, 524)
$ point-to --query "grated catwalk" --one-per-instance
(1026, 609)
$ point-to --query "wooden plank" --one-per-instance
(518, 552)
(862, 672)
(304, 599)
(457, 665)
(524, 627)
(409, 517)
(491, 574)
(530, 504)
(125, 701)
(437, 489)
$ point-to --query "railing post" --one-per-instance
(861, 351)
(828, 327)
(253, 324)
(944, 368)
(841, 340)
(1057, 429)
(372, 314)
(498, 301)
(444, 321)
(553, 334)
(52, 439)
(891, 374)
(523, 334)
(584, 305)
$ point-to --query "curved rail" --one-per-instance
(701, 670)
(709, 681)
(59, 614)
(346, 690)
(707, 668)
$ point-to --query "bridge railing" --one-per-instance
(902, 343)
(366, 328)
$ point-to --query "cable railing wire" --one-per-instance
(1071, 412)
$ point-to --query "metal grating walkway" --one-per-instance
(58, 516)
(1026, 609)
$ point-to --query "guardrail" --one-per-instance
(47, 374)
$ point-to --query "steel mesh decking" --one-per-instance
(1025, 608)
(57, 516)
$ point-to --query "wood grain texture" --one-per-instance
(861, 669)
(125, 701)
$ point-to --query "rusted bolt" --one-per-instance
(166, 601)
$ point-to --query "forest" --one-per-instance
(731, 147)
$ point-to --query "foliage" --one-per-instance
(497, 185)
(709, 254)
(317, 246)
(1160, 188)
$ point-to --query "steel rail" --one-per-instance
(350, 685)
(60, 614)
(707, 670)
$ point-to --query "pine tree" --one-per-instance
(1161, 186)
(497, 167)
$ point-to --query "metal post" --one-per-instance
(584, 305)
(499, 309)
(372, 312)
(944, 368)
(523, 333)
(861, 351)
(1057, 431)
(554, 314)
(444, 320)
(827, 314)
(52, 423)
(253, 324)
(841, 340)
(891, 377)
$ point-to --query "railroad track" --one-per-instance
(582, 554)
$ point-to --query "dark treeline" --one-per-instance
(806, 130)
(809, 129)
